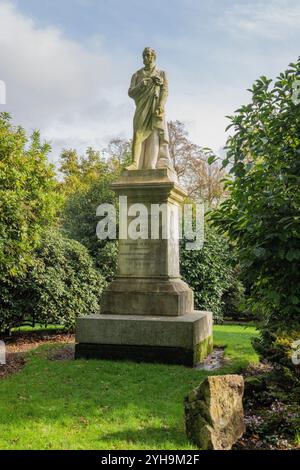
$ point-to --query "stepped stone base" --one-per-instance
(150, 297)
(183, 340)
(147, 312)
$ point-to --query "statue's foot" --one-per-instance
(133, 166)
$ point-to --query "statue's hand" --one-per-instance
(158, 80)
(160, 112)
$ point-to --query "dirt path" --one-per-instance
(20, 343)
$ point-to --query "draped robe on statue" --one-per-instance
(150, 130)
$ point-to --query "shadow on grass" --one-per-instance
(152, 435)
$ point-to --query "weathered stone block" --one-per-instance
(149, 297)
(214, 412)
(182, 340)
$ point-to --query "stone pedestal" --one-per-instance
(147, 312)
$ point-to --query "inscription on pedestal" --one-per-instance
(142, 258)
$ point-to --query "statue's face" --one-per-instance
(149, 59)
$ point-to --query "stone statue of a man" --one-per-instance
(149, 90)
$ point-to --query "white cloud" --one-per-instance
(57, 85)
(76, 92)
(277, 19)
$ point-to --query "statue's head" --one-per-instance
(149, 56)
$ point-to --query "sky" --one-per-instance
(67, 64)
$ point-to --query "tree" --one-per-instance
(205, 181)
(87, 183)
(118, 154)
(79, 172)
(262, 214)
(181, 147)
(200, 179)
(28, 198)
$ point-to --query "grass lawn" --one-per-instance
(105, 405)
(37, 327)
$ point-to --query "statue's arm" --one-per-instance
(164, 91)
(135, 86)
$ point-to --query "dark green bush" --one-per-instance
(80, 222)
(62, 284)
(261, 215)
(277, 347)
(234, 301)
(209, 272)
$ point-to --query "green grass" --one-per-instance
(105, 405)
(37, 328)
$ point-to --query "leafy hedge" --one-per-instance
(209, 272)
(61, 285)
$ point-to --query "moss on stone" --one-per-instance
(203, 349)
